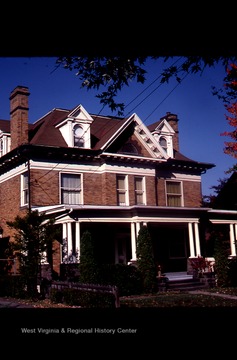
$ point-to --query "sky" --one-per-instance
(201, 114)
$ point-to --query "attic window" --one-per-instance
(163, 143)
(78, 136)
(129, 148)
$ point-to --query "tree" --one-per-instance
(34, 235)
(112, 73)
(88, 265)
(221, 258)
(229, 96)
(210, 200)
(145, 260)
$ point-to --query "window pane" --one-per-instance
(173, 200)
(173, 187)
(121, 182)
(138, 183)
(78, 136)
(139, 199)
(25, 180)
(121, 198)
(71, 189)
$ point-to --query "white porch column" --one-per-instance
(232, 240)
(78, 238)
(234, 247)
(138, 227)
(133, 241)
(69, 238)
(197, 239)
(191, 243)
(64, 237)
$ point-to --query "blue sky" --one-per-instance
(201, 115)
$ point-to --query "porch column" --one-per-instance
(138, 227)
(197, 240)
(191, 243)
(78, 238)
(64, 239)
(232, 240)
(234, 247)
(69, 238)
(133, 241)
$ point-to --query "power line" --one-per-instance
(165, 97)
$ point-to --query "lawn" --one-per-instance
(183, 299)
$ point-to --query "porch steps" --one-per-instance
(183, 282)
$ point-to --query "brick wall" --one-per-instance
(92, 189)
(44, 187)
(161, 192)
(192, 193)
(10, 202)
(108, 190)
(151, 193)
(19, 116)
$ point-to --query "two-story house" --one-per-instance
(108, 175)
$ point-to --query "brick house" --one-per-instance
(108, 175)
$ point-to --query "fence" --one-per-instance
(109, 289)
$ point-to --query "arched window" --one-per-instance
(78, 136)
(163, 143)
(129, 148)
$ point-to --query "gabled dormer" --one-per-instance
(5, 142)
(164, 136)
(75, 129)
(165, 131)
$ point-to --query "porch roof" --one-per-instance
(124, 213)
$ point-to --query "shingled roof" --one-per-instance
(44, 132)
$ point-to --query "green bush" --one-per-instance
(126, 277)
(233, 272)
(56, 296)
(12, 285)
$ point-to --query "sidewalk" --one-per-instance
(225, 296)
(7, 303)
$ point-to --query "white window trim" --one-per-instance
(60, 185)
(143, 189)
(23, 190)
(181, 194)
(126, 189)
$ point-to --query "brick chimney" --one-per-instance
(19, 116)
(172, 119)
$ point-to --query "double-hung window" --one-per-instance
(24, 189)
(71, 189)
(173, 193)
(139, 190)
(122, 190)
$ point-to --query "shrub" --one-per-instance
(127, 278)
(12, 285)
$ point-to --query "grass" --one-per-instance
(211, 299)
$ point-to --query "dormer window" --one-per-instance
(163, 143)
(78, 133)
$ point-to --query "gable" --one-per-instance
(132, 132)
